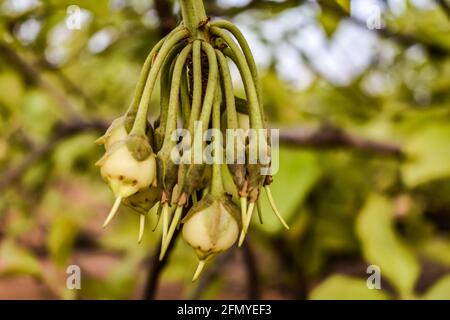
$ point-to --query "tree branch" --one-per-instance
(68, 84)
(167, 20)
(34, 74)
(253, 287)
(329, 136)
(62, 131)
(156, 267)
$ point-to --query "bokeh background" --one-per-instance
(360, 90)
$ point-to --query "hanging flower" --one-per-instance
(126, 171)
(210, 227)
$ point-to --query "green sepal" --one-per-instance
(143, 200)
(166, 171)
(139, 146)
(196, 178)
(238, 173)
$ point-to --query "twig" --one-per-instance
(75, 124)
(298, 288)
(167, 20)
(330, 136)
(156, 267)
(34, 74)
(253, 287)
(66, 82)
(63, 130)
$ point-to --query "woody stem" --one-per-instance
(194, 16)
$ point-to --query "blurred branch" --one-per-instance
(63, 130)
(167, 20)
(253, 286)
(156, 267)
(330, 136)
(296, 285)
(34, 75)
(66, 82)
(445, 7)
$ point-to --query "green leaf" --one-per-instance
(341, 287)
(381, 245)
(298, 173)
(438, 250)
(429, 155)
(440, 290)
(61, 238)
(15, 259)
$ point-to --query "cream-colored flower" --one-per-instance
(210, 231)
(125, 174)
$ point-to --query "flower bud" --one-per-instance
(124, 173)
(211, 227)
